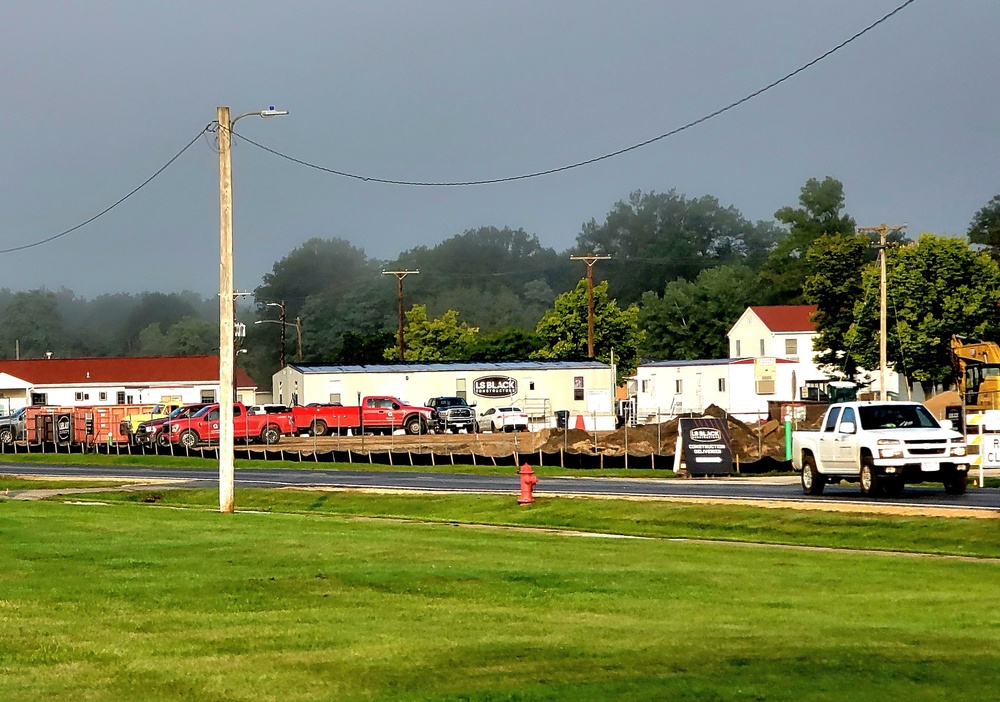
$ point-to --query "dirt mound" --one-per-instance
(576, 440)
(939, 402)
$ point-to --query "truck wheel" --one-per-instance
(414, 426)
(957, 485)
(270, 434)
(812, 481)
(870, 483)
(6, 436)
(319, 428)
(188, 439)
(162, 440)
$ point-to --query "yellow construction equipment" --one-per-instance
(977, 365)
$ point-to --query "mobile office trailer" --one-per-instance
(585, 389)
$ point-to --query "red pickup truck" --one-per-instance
(203, 426)
(377, 413)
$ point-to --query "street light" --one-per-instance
(298, 331)
(227, 360)
(281, 305)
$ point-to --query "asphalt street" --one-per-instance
(774, 489)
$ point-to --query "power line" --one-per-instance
(115, 204)
(586, 162)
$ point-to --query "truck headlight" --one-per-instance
(957, 450)
(888, 442)
(890, 453)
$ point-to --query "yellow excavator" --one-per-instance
(977, 365)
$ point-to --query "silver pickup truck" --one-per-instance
(12, 427)
(883, 446)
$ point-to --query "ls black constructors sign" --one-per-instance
(706, 447)
(494, 386)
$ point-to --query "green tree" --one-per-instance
(691, 320)
(655, 238)
(820, 212)
(505, 345)
(440, 339)
(563, 329)
(937, 287)
(836, 264)
(985, 227)
(32, 323)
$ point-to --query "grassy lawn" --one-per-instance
(125, 602)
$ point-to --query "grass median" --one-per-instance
(126, 602)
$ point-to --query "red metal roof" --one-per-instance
(786, 318)
(148, 369)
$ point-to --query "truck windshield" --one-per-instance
(896, 417)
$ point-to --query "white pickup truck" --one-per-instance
(883, 446)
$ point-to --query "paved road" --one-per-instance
(778, 489)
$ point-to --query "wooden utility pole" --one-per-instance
(590, 260)
(226, 305)
(281, 317)
(298, 331)
(883, 230)
(399, 283)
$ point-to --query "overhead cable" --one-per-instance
(586, 162)
(112, 206)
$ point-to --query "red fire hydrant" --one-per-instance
(528, 482)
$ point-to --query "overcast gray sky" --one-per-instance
(98, 95)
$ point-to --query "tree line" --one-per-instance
(681, 272)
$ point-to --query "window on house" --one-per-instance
(791, 347)
(120, 397)
(722, 384)
(645, 385)
(531, 384)
(39, 398)
(678, 386)
(79, 396)
(738, 351)
(208, 396)
(103, 396)
(461, 390)
(578, 388)
(761, 347)
(334, 398)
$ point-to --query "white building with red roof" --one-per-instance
(771, 359)
(86, 382)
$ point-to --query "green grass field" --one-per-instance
(306, 602)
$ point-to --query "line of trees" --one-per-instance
(681, 272)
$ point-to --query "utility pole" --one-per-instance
(298, 331)
(590, 260)
(281, 357)
(226, 305)
(883, 230)
(399, 282)
(227, 346)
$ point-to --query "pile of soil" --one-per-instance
(748, 441)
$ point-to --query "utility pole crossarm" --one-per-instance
(399, 293)
(590, 260)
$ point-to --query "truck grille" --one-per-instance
(460, 414)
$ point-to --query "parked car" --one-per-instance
(154, 431)
(12, 427)
(504, 419)
(453, 414)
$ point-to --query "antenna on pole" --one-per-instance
(399, 282)
(590, 260)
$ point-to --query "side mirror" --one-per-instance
(947, 424)
(848, 428)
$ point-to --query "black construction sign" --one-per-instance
(705, 446)
(494, 386)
